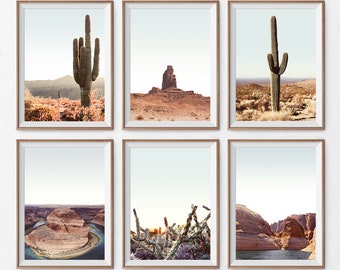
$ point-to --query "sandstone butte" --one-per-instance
(169, 103)
(63, 233)
(254, 233)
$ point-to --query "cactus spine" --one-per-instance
(82, 63)
(276, 69)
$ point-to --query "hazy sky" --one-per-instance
(49, 35)
(64, 175)
(276, 182)
(296, 30)
(179, 37)
(166, 181)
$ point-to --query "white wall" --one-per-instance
(9, 134)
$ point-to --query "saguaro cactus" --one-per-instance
(82, 64)
(276, 69)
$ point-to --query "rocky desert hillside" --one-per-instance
(297, 102)
(254, 233)
(169, 103)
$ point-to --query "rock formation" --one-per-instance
(307, 221)
(293, 235)
(64, 231)
(169, 78)
(312, 247)
(253, 232)
(100, 218)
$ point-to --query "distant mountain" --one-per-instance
(267, 80)
(66, 85)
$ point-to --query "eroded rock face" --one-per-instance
(100, 218)
(307, 221)
(169, 78)
(64, 231)
(253, 232)
(312, 247)
(293, 235)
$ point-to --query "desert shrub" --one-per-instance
(41, 113)
(187, 242)
(63, 109)
(140, 117)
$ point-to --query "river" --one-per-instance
(272, 255)
(96, 253)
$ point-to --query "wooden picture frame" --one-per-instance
(64, 204)
(162, 217)
(50, 38)
(162, 40)
(288, 94)
(276, 204)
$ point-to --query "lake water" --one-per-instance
(96, 253)
(272, 255)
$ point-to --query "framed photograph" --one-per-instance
(276, 64)
(170, 201)
(170, 64)
(276, 202)
(64, 64)
(64, 204)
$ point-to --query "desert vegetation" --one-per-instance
(276, 69)
(83, 72)
(39, 108)
(297, 102)
(190, 241)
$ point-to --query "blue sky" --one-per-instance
(165, 181)
(59, 175)
(49, 35)
(296, 36)
(276, 182)
(180, 37)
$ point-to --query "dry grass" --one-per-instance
(63, 109)
(297, 102)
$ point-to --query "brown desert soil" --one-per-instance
(172, 104)
(297, 102)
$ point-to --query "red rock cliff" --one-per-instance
(253, 232)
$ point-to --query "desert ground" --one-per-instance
(171, 104)
(297, 102)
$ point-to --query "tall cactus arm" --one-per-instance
(271, 62)
(87, 31)
(81, 42)
(284, 63)
(95, 71)
(76, 68)
(274, 45)
(82, 65)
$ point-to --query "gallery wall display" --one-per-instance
(276, 64)
(64, 203)
(276, 203)
(64, 64)
(171, 203)
(171, 68)
(169, 135)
